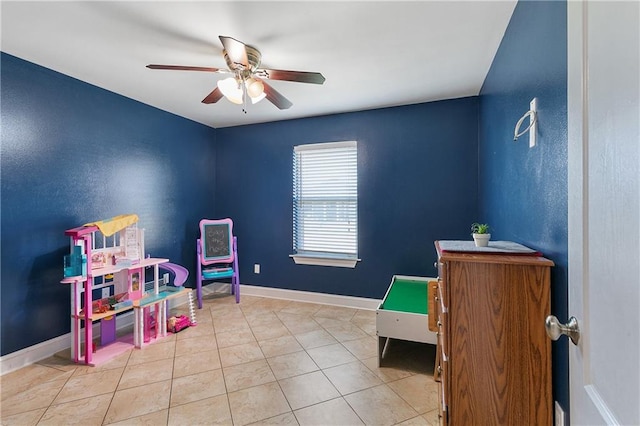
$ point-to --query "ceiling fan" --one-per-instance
(248, 80)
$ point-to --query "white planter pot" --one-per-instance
(482, 240)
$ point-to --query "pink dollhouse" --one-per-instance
(107, 259)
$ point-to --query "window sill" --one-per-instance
(318, 260)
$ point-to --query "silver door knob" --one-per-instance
(555, 329)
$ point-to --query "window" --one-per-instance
(325, 204)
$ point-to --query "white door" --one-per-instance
(604, 210)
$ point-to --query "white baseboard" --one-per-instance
(295, 295)
(33, 354)
(311, 297)
(40, 351)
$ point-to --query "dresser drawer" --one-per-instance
(442, 295)
(441, 418)
(443, 387)
(442, 323)
(443, 352)
(441, 369)
(443, 307)
(443, 355)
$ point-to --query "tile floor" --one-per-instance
(263, 361)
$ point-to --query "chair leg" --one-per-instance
(236, 286)
(199, 290)
(199, 274)
(235, 280)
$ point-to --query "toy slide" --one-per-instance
(181, 273)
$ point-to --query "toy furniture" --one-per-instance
(180, 277)
(493, 354)
(217, 249)
(150, 321)
(106, 271)
(152, 311)
(403, 313)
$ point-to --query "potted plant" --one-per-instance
(481, 235)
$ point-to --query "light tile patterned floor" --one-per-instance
(263, 361)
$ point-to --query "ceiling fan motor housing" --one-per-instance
(253, 58)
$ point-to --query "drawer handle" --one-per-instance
(439, 323)
(439, 369)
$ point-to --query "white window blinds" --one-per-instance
(325, 199)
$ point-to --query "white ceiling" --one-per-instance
(373, 54)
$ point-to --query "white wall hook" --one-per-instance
(532, 127)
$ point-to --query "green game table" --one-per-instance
(403, 313)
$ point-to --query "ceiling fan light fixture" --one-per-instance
(231, 90)
(255, 88)
(258, 98)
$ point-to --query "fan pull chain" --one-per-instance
(244, 96)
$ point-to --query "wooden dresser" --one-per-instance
(494, 358)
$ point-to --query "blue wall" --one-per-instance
(74, 153)
(523, 192)
(417, 182)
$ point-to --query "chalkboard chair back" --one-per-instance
(217, 253)
(216, 237)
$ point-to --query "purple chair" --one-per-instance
(217, 252)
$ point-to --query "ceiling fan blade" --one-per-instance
(275, 97)
(298, 76)
(184, 68)
(213, 97)
(236, 51)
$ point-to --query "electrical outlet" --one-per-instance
(256, 268)
(559, 415)
(105, 292)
